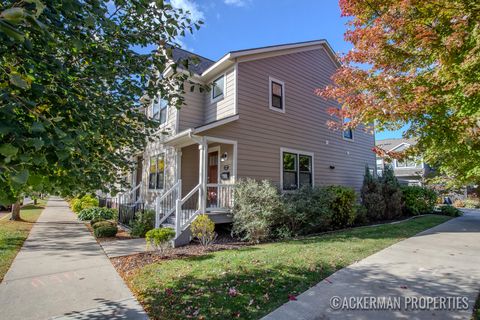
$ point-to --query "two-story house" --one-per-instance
(262, 120)
(409, 171)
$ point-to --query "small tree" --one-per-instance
(203, 228)
(372, 196)
(159, 239)
(392, 194)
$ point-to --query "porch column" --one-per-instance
(202, 176)
(178, 164)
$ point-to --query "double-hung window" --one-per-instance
(159, 110)
(297, 170)
(218, 88)
(277, 95)
(156, 172)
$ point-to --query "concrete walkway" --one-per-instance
(120, 248)
(61, 272)
(441, 262)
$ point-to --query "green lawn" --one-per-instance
(250, 282)
(14, 233)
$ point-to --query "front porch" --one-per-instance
(205, 174)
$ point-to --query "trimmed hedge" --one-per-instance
(418, 200)
(104, 231)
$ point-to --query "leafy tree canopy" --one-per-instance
(416, 62)
(70, 85)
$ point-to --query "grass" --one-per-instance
(14, 233)
(249, 283)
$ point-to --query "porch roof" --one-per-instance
(188, 137)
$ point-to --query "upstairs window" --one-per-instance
(406, 163)
(156, 172)
(159, 110)
(347, 132)
(297, 170)
(218, 88)
(277, 95)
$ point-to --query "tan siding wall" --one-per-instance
(261, 132)
(190, 164)
(224, 107)
(192, 113)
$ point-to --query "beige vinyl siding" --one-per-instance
(190, 164)
(192, 113)
(261, 132)
(224, 107)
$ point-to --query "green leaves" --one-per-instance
(13, 15)
(20, 178)
(8, 150)
(18, 80)
(70, 84)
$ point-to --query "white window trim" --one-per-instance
(343, 133)
(222, 96)
(270, 80)
(409, 167)
(298, 152)
(164, 168)
(163, 125)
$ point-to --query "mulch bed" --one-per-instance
(128, 264)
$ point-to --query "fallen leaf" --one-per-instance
(292, 297)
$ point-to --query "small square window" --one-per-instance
(218, 87)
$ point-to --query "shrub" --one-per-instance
(143, 222)
(203, 228)
(392, 194)
(301, 213)
(95, 220)
(103, 223)
(96, 212)
(361, 216)
(418, 200)
(459, 203)
(450, 211)
(372, 197)
(103, 231)
(342, 205)
(87, 201)
(472, 203)
(256, 204)
(159, 239)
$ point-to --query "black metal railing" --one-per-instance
(128, 212)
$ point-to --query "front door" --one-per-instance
(212, 178)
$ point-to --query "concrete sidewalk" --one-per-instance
(61, 272)
(441, 262)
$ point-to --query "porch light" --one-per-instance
(224, 157)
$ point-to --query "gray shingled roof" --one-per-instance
(388, 144)
(198, 68)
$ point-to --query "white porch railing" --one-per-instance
(165, 204)
(133, 195)
(171, 208)
(219, 196)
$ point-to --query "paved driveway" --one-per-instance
(61, 271)
(440, 262)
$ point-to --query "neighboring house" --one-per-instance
(409, 171)
(262, 120)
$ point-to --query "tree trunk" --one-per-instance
(35, 201)
(16, 211)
